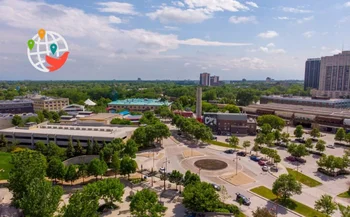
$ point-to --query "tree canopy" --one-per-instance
(285, 186)
(145, 203)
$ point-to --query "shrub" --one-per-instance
(221, 210)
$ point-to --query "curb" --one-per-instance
(295, 213)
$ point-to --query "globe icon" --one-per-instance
(41, 56)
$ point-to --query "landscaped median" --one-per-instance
(223, 144)
(5, 165)
(290, 204)
(345, 194)
(303, 178)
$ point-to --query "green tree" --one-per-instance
(47, 114)
(97, 167)
(106, 154)
(56, 117)
(246, 144)
(56, 169)
(27, 165)
(297, 150)
(285, 137)
(326, 205)
(315, 132)
(127, 166)
(266, 129)
(71, 174)
(232, 108)
(41, 147)
(82, 204)
(298, 132)
(115, 163)
(17, 120)
(320, 145)
(54, 150)
(96, 148)
(191, 178)
(234, 141)
(83, 171)
(344, 211)
(274, 121)
(175, 177)
(131, 148)
(140, 136)
(41, 198)
(286, 186)
(40, 116)
(145, 203)
(78, 149)
(110, 190)
(3, 141)
(89, 150)
(263, 212)
(200, 197)
(340, 135)
(245, 96)
(70, 149)
(308, 143)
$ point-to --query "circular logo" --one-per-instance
(47, 51)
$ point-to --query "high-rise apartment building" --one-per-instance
(214, 80)
(312, 73)
(335, 76)
(204, 79)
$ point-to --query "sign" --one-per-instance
(210, 120)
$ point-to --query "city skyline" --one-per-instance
(176, 40)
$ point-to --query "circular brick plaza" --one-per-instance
(210, 164)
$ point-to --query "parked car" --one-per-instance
(300, 160)
(244, 199)
(262, 163)
(227, 140)
(179, 133)
(216, 187)
(162, 170)
(265, 168)
(290, 158)
(214, 138)
(241, 153)
(229, 151)
(274, 168)
(255, 158)
(331, 146)
(302, 140)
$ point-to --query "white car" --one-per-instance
(330, 146)
(162, 170)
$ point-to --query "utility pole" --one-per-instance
(166, 170)
(236, 163)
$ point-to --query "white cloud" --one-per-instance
(309, 34)
(114, 19)
(221, 5)
(283, 18)
(117, 7)
(187, 64)
(268, 34)
(270, 45)
(172, 28)
(336, 51)
(178, 3)
(296, 10)
(237, 20)
(200, 42)
(272, 51)
(305, 19)
(347, 4)
(253, 4)
(177, 15)
(324, 48)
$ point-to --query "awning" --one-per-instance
(284, 114)
(304, 117)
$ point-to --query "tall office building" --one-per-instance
(214, 80)
(312, 73)
(335, 76)
(204, 79)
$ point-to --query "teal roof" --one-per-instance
(149, 102)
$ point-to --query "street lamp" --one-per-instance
(166, 169)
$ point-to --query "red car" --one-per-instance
(291, 158)
(262, 163)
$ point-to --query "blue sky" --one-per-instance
(155, 39)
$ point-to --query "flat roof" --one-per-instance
(309, 99)
(114, 132)
(333, 112)
(150, 102)
(100, 116)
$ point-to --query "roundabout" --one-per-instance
(210, 164)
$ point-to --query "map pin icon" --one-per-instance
(30, 44)
(41, 33)
(53, 48)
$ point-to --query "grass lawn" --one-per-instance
(290, 204)
(345, 194)
(303, 178)
(222, 144)
(5, 159)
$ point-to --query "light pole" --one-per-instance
(166, 169)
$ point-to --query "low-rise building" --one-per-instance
(62, 134)
(230, 123)
(136, 105)
(6, 119)
(306, 101)
(98, 119)
(16, 106)
(49, 103)
(186, 114)
(73, 109)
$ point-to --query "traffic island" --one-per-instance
(239, 179)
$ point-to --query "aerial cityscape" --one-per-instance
(195, 108)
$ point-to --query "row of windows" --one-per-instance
(135, 107)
